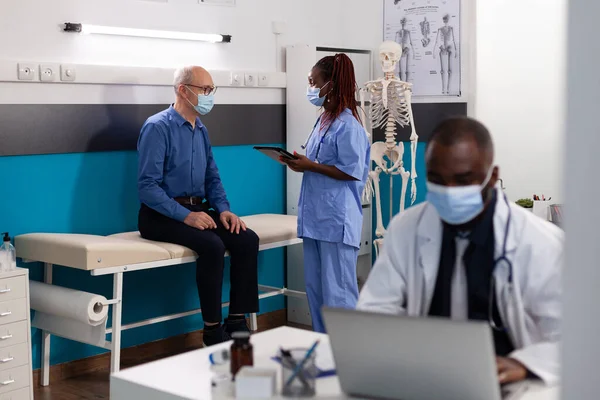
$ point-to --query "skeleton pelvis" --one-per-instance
(388, 159)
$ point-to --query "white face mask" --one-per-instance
(457, 205)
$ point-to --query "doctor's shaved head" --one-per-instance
(460, 153)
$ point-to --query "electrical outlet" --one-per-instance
(48, 72)
(250, 80)
(67, 73)
(263, 80)
(26, 72)
(236, 78)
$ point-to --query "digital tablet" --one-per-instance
(275, 153)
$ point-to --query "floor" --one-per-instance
(87, 387)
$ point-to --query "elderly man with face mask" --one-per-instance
(184, 202)
(469, 254)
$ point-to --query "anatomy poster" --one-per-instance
(429, 33)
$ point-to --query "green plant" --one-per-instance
(525, 203)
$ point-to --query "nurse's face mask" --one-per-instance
(312, 94)
(458, 205)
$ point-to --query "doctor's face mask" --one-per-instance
(458, 205)
(460, 172)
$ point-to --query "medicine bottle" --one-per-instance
(242, 353)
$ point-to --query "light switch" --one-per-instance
(236, 78)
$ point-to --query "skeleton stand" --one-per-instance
(390, 105)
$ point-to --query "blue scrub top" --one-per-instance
(329, 209)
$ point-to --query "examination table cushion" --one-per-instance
(86, 251)
(90, 252)
(270, 228)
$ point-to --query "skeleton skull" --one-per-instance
(389, 55)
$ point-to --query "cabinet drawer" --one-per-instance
(13, 311)
(14, 356)
(365, 248)
(12, 334)
(21, 394)
(13, 288)
(15, 378)
(366, 240)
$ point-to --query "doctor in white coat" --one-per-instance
(467, 253)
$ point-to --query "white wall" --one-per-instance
(348, 23)
(37, 36)
(30, 30)
(520, 89)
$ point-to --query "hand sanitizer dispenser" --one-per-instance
(8, 255)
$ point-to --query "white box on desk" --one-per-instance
(541, 208)
(255, 383)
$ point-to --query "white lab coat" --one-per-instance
(403, 278)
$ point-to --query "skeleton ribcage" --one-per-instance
(397, 108)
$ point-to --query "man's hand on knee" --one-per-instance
(200, 220)
(232, 222)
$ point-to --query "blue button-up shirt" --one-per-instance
(176, 160)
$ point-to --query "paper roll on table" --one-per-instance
(69, 313)
(68, 303)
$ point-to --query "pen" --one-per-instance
(286, 358)
(301, 365)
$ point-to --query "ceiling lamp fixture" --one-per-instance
(148, 33)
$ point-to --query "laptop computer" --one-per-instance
(407, 358)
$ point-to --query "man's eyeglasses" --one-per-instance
(205, 90)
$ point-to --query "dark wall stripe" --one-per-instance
(65, 128)
(78, 128)
(427, 116)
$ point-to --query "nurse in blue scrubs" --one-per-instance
(335, 171)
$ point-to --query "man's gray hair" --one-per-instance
(183, 76)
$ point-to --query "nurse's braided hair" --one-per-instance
(340, 71)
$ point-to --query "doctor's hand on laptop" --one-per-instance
(510, 370)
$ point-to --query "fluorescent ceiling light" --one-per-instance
(148, 33)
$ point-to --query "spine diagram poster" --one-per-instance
(429, 33)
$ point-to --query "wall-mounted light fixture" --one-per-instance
(148, 33)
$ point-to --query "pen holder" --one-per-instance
(298, 382)
(541, 208)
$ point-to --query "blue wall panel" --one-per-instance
(96, 193)
(384, 184)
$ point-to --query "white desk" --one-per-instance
(187, 376)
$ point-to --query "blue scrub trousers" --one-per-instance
(330, 277)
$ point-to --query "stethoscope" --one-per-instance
(502, 258)
(303, 147)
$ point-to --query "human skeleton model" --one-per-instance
(403, 39)
(425, 31)
(446, 34)
(390, 105)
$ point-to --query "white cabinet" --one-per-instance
(301, 116)
(15, 336)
